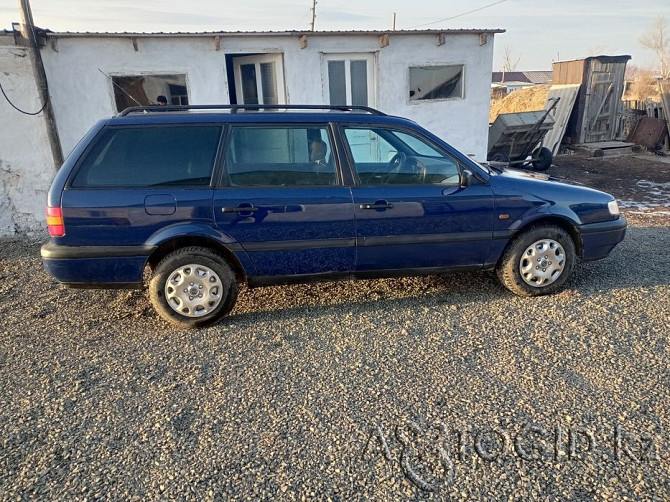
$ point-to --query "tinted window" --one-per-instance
(386, 156)
(284, 156)
(151, 156)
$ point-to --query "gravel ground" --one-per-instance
(424, 388)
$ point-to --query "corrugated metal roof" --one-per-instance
(74, 34)
(532, 77)
(515, 76)
(538, 77)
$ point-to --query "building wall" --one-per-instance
(82, 94)
(26, 166)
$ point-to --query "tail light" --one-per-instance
(55, 222)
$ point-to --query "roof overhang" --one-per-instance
(87, 34)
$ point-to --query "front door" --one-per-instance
(411, 210)
(259, 79)
(282, 199)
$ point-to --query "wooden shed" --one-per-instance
(597, 112)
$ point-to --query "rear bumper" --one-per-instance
(598, 239)
(96, 266)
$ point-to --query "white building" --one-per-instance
(439, 78)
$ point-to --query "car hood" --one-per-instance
(556, 196)
(511, 173)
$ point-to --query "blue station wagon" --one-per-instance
(209, 197)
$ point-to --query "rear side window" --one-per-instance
(150, 156)
(280, 156)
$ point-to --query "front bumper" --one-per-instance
(598, 239)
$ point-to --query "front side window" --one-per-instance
(150, 156)
(391, 157)
(280, 156)
(435, 82)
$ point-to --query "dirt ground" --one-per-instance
(641, 182)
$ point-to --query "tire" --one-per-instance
(520, 271)
(544, 158)
(209, 287)
(500, 157)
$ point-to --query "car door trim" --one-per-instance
(299, 244)
(386, 240)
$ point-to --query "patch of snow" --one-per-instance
(651, 195)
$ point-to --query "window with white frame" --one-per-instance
(259, 79)
(349, 79)
(435, 82)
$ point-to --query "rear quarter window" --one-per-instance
(150, 156)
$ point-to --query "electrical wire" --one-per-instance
(454, 17)
(19, 109)
(10, 101)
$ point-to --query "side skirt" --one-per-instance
(276, 280)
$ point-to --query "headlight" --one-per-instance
(613, 208)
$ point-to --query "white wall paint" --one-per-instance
(82, 94)
(26, 166)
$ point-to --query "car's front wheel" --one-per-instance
(537, 262)
(193, 287)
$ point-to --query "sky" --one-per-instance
(538, 31)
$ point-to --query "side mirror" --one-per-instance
(466, 178)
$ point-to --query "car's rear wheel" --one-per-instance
(193, 287)
(538, 262)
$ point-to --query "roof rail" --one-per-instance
(236, 108)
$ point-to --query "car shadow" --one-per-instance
(345, 297)
(639, 261)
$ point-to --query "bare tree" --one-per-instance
(599, 50)
(510, 60)
(656, 39)
(641, 84)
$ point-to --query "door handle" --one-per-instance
(239, 209)
(377, 205)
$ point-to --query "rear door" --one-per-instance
(282, 199)
(411, 210)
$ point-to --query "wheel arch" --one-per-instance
(557, 221)
(174, 243)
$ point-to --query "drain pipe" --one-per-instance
(28, 33)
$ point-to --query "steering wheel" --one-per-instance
(395, 166)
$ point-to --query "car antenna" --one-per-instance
(119, 87)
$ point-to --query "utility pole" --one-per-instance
(28, 32)
(313, 13)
